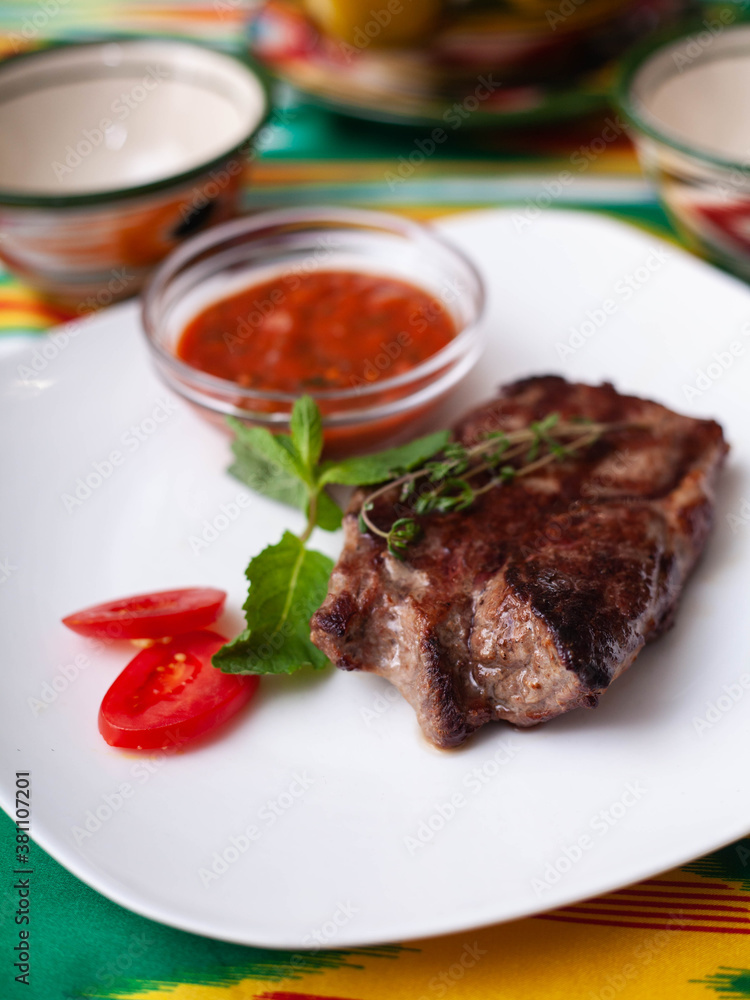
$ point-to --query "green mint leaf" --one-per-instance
(287, 584)
(266, 464)
(371, 469)
(307, 433)
(329, 514)
(274, 448)
(288, 445)
(267, 479)
(237, 656)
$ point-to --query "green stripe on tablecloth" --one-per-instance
(100, 943)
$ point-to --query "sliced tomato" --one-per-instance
(170, 693)
(150, 616)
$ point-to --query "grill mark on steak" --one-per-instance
(534, 600)
(335, 620)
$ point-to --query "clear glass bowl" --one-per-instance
(248, 251)
(686, 99)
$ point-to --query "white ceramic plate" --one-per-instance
(331, 770)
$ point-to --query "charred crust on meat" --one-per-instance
(335, 619)
(587, 634)
(530, 603)
(448, 725)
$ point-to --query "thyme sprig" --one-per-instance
(445, 484)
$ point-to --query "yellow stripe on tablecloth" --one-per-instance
(527, 960)
(21, 307)
(620, 163)
(541, 958)
(12, 320)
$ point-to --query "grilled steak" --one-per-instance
(531, 602)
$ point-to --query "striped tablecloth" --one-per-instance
(685, 934)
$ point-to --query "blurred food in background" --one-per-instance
(395, 24)
(413, 60)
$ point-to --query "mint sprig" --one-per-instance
(289, 581)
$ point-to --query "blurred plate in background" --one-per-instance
(477, 69)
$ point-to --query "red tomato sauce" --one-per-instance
(324, 330)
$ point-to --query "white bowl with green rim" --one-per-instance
(686, 98)
(121, 148)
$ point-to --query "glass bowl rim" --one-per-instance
(246, 225)
(637, 59)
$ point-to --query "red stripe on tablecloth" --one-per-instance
(645, 913)
(665, 905)
(297, 996)
(686, 885)
(681, 895)
(36, 307)
(640, 924)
